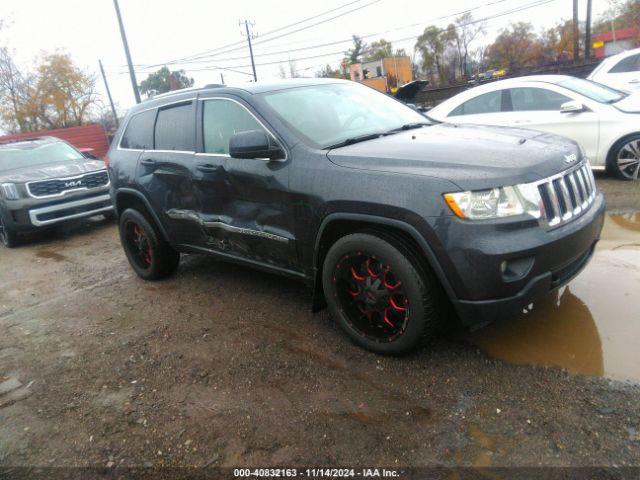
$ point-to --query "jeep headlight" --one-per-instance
(9, 191)
(496, 202)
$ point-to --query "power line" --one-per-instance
(313, 17)
(204, 58)
(533, 4)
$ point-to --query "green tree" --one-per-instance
(435, 46)
(354, 54)
(163, 81)
(378, 50)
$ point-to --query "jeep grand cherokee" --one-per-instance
(45, 181)
(389, 218)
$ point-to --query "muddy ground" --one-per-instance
(226, 366)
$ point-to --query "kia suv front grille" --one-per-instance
(60, 186)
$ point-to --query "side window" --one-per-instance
(486, 103)
(626, 65)
(221, 119)
(139, 132)
(175, 128)
(536, 99)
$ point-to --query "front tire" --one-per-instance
(378, 295)
(149, 254)
(8, 237)
(624, 158)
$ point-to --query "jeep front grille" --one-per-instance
(567, 195)
(59, 186)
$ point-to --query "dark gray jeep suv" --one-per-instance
(394, 222)
(45, 181)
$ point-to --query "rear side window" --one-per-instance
(221, 119)
(486, 103)
(139, 132)
(626, 65)
(536, 99)
(175, 128)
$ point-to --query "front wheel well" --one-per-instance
(398, 237)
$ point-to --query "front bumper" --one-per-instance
(537, 261)
(31, 214)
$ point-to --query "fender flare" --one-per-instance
(143, 199)
(390, 222)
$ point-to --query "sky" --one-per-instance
(162, 31)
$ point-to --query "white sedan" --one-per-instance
(621, 71)
(604, 121)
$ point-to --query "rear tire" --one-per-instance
(624, 158)
(378, 295)
(8, 237)
(149, 254)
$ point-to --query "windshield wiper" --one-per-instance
(371, 136)
(352, 140)
(409, 126)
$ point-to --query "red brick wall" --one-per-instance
(87, 136)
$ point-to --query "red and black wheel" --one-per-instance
(378, 295)
(148, 253)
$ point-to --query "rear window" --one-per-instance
(139, 132)
(486, 103)
(627, 65)
(175, 128)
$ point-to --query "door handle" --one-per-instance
(148, 162)
(208, 168)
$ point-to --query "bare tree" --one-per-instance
(467, 31)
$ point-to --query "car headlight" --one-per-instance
(9, 191)
(496, 202)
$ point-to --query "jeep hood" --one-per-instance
(471, 156)
(67, 168)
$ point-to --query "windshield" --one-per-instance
(326, 115)
(593, 90)
(31, 154)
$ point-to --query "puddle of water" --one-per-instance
(592, 325)
(50, 255)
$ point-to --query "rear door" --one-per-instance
(485, 109)
(250, 215)
(164, 172)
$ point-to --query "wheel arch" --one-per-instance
(337, 225)
(130, 198)
(613, 144)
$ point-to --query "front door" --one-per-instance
(539, 109)
(250, 216)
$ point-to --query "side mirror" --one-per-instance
(254, 144)
(572, 107)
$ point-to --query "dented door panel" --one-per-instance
(165, 179)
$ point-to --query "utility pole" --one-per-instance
(576, 33)
(587, 34)
(221, 78)
(253, 63)
(132, 73)
(106, 85)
